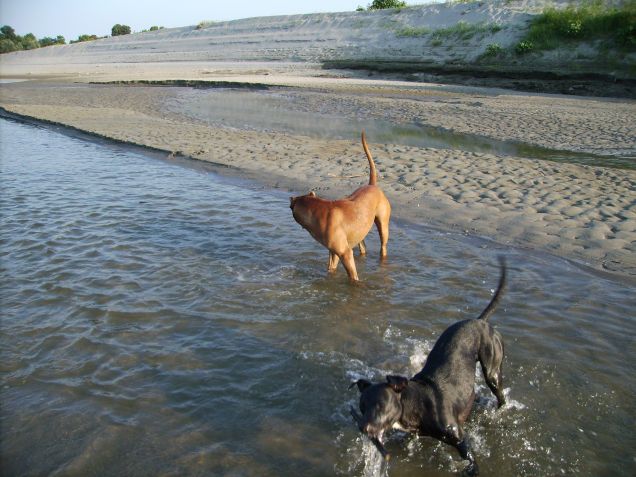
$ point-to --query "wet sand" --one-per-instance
(584, 213)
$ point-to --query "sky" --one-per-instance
(71, 18)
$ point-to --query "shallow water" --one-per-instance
(281, 110)
(158, 319)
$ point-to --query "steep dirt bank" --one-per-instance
(430, 43)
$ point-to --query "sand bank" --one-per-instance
(583, 213)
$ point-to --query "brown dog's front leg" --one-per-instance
(333, 262)
(363, 248)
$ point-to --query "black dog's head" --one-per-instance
(381, 407)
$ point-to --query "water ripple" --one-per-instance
(151, 325)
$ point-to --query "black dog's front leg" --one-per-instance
(452, 437)
(378, 444)
(467, 454)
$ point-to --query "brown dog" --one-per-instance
(342, 224)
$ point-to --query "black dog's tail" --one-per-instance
(500, 289)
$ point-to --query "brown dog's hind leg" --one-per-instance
(333, 262)
(363, 248)
(349, 264)
(382, 218)
(383, 230)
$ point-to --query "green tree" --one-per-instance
(48, 41)
(7, 46)
(120, 30)
(86, 38)
(9, 41)
(29, 42)
(7, 33)
(382, 4)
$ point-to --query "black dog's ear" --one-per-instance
(362, 384)
(397, 383)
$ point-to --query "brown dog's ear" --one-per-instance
(312, 194)
(361, 383)
(397, 383)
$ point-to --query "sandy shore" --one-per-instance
(584, 213)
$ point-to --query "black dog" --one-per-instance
(437, 401)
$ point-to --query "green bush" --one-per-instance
(382, 4)
(493, 49)
(205, 24)
(7, 46)
(83, 38)
(524, 47)
(48, 41)
(118, 30)
(29, 42)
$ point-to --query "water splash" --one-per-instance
(374, 463)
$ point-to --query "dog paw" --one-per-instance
(471, 471)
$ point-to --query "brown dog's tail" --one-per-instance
(497, 296)
(373, 176)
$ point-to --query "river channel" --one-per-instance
(161, 319)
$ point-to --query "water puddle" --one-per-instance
(278, 110)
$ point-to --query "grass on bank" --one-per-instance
(204, 24)
(461, 30)
(594, 21)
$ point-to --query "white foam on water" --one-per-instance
(363, 459)
(412, 352)
(374, 463)
(512, 403)
(354, 368)
(259, 274)
(420, 351)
